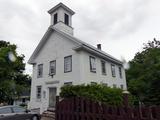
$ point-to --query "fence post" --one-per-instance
(56, 108)
(158, 112)
(57, 100)
(125, 98)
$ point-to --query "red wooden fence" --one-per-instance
(83, 109)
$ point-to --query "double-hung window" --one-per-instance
(103, 66)
(52, 69)
(40, 71)
(120, 72)
(92, 64)
(38, 92)
(113, 70)
(68, 64)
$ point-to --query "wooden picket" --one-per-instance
(78, 108)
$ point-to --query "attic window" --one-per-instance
(66, 19)
(55, 18)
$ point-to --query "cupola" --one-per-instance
(61, 18)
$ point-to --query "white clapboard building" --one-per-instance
(60, 58)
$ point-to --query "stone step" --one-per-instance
(48, 115)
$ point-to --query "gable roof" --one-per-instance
(81, 45)
(63, 6)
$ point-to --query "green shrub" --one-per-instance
(96, 92)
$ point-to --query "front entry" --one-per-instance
(52, 97)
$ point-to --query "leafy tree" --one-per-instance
(12, 80)
(143, 76)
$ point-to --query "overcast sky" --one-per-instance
(121, 26)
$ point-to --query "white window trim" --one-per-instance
(38, 70)
(38, 99)
(92, 65)
(54, 61)
(65, 69)
(113, 70)
(103, 73)
(120, 72)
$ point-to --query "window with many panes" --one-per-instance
(113, 70)
(38, 92)
(55, 18)
(92, 64)
(103, 66)
(66, 19)
(40, 71)
(120, 72)
(52, 68)
(68, 64)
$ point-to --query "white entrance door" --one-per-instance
(52, 97)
